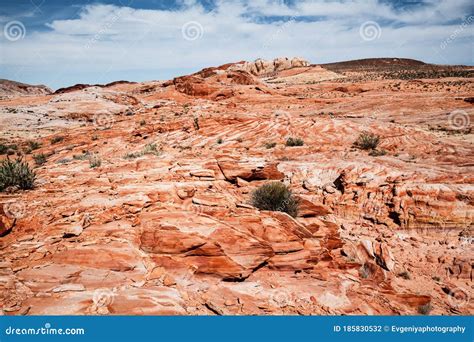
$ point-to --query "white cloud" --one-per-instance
(106, 41)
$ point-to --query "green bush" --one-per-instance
(39, 159)
(294, 142)
(275, 196)
(16, 173)
(33, 145)
(367, 141)
(8, 149)
(57, 139)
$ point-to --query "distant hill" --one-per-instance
(386, 64)
(13, 88)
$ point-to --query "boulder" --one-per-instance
(249, 170)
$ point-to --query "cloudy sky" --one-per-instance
(63, 42)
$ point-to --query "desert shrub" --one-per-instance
(8, 149)
(142, 123)
(151, 149)
(16, 173)
(377, 153)
(31, 146)
(220, 141)
(270, 145)
(133, 155)
(57, 139)
(63, 161)
(148, 149)
(294, 142)
(95, 161)
(39, 159)
(365, 271)
(84, 156)
(404, 275)
(425, 309)
(367, 141)
(275, 196)
(196, 124)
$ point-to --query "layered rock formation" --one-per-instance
(265, 67)
(164, 224)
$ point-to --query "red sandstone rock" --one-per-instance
(170, 230)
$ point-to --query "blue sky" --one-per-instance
(60, 43)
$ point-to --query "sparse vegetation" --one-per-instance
(196, 124)
(8, 149)
(367, 141)
(270, 145)
(377, 153)
(95, 137)
(151, 149)
(148, 149)
(219, 141)
(57, 139)
(39, 159)
(3, 148)
(294, 142)
(425, 309)
(31, 146)
(404, 275)
(365, 271)
(16, 173)
(84, 156)
(63, 161)
(186, 108)
(142, 123)
(133, 155)
(275, 196)
(95, 161)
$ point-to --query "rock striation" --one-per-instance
(164, 225)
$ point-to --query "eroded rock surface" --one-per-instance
(164, 224)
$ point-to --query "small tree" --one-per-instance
(275, 196)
